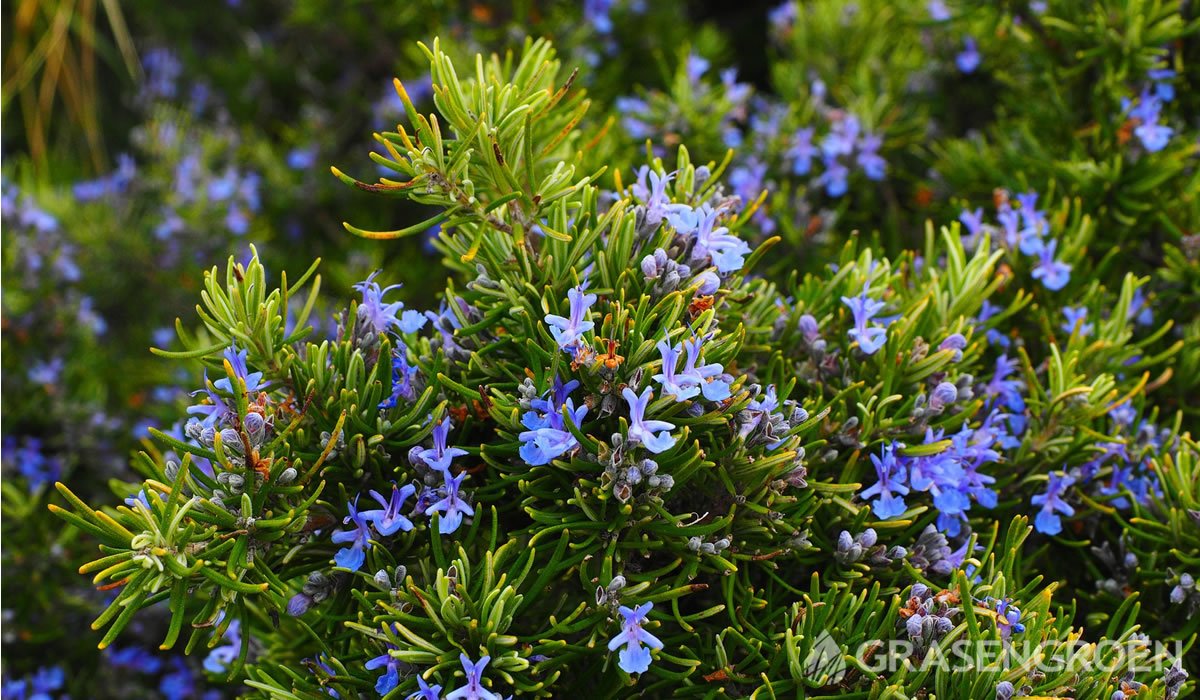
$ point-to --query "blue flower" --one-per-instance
(302, 158)
(1047, 521)
(1163, 89)
(634, 658)
(890, 487)
(391, 675)
(1008, 618)
(1008, 391)
(869, 338)
(179, 682)
(1053, 274)
(426, 691)
(382, 317)
(452, 506)
(568, 332)
(682, 387)
(968, 59)
(220, 658)
(596, 13)
(972, 221)
(841, 138)
(1139, 308)
(1076, 321)
(1146, 111)
(213, 408)
(801, 151)
(696, 67)
(710, 378)
(653, 195)
(548, 437)
(358, 537)
(403, 376)
(134, 658)
(439, 456)
(237, 361)
(711, 242)
(28, 459)
(938, 12)
(389, 520)
(642, 430)
(474, 689)
(868, 158)
(834, 177)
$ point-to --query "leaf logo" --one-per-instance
(825, 663)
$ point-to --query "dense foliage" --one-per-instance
(866, 371)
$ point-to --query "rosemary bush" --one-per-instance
(829, 386)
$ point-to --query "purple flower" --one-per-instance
(302, 158)
(871, 338)
(634, 109)
(973, 222)
(389, 520)
(801, 151)
(1139, 308)
(1147, 110)
(708, 377)
(938, 11)
(1076, 321)
(134, 658)
(942, 395)
(568, 332)
(403, 375)
(1047, 521)
(391, 674)
(809, 328)
(1053, 274)
(696, 67)
(654, 195)
(681, 386)
(968, 59)
(1163, 89)
(439, 456)
(956, 342)
(358, 537)
(1008, 618)
(46, 373)
(889, 488)
(548, 437)
(634, 658)
(841, 138)
(834, 177)
(707, 282)
(452, 506)
(642, 430)
(426, 691)
(868, 158)
(1005, 389)
(213, 408)
(219, 659)
(237, 362)
(710, 241)
(382, 317)
(474, 689)
(1154, 136)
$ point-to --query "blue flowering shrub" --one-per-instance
(616, 461)
(870, 373)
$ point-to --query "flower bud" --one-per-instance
(809, 328)
(709, 283)
(943, 394)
